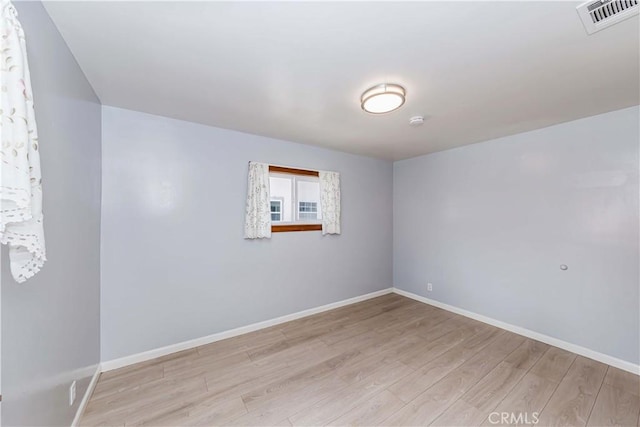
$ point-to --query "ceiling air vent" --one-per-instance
(600, 14)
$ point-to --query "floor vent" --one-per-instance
(600, 14)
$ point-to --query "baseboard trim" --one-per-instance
(583, 351)
(185, 345)
(87, 396)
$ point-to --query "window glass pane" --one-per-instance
(294, 198)
(281, 188)
(308, 199)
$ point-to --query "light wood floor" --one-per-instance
(385, 361)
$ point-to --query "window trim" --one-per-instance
(292, 171)
(294, 227)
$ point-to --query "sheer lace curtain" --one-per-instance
(21, 220)
(257, 220)
(330, 201)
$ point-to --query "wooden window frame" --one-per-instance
(294, 227)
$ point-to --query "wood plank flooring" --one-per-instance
(385, 361)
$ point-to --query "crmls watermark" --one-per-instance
(512, 418)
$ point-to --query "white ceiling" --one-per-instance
(295, 71)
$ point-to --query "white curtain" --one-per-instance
(330, 201)
(257, 220)
(21, 225)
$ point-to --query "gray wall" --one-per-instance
(489, 224)
(174, 263)
(50, 324)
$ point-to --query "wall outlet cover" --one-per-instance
(429, 287)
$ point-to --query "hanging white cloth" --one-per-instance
(330, 201)
(21, 223)
(257, 220)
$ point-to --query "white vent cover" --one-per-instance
(600, 14)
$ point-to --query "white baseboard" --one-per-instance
(591, 354)
(87, 396)
(185, 345)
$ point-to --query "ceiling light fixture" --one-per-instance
(382, 98)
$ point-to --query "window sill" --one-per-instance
(295, 227)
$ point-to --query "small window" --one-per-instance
(276, 210)
(307, 210)
(295, 199)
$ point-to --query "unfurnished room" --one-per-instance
(319, 213)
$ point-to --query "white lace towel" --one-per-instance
(21, 224)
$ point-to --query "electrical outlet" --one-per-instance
(72, 393)
(429, 287)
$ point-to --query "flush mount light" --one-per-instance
(382, 98)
